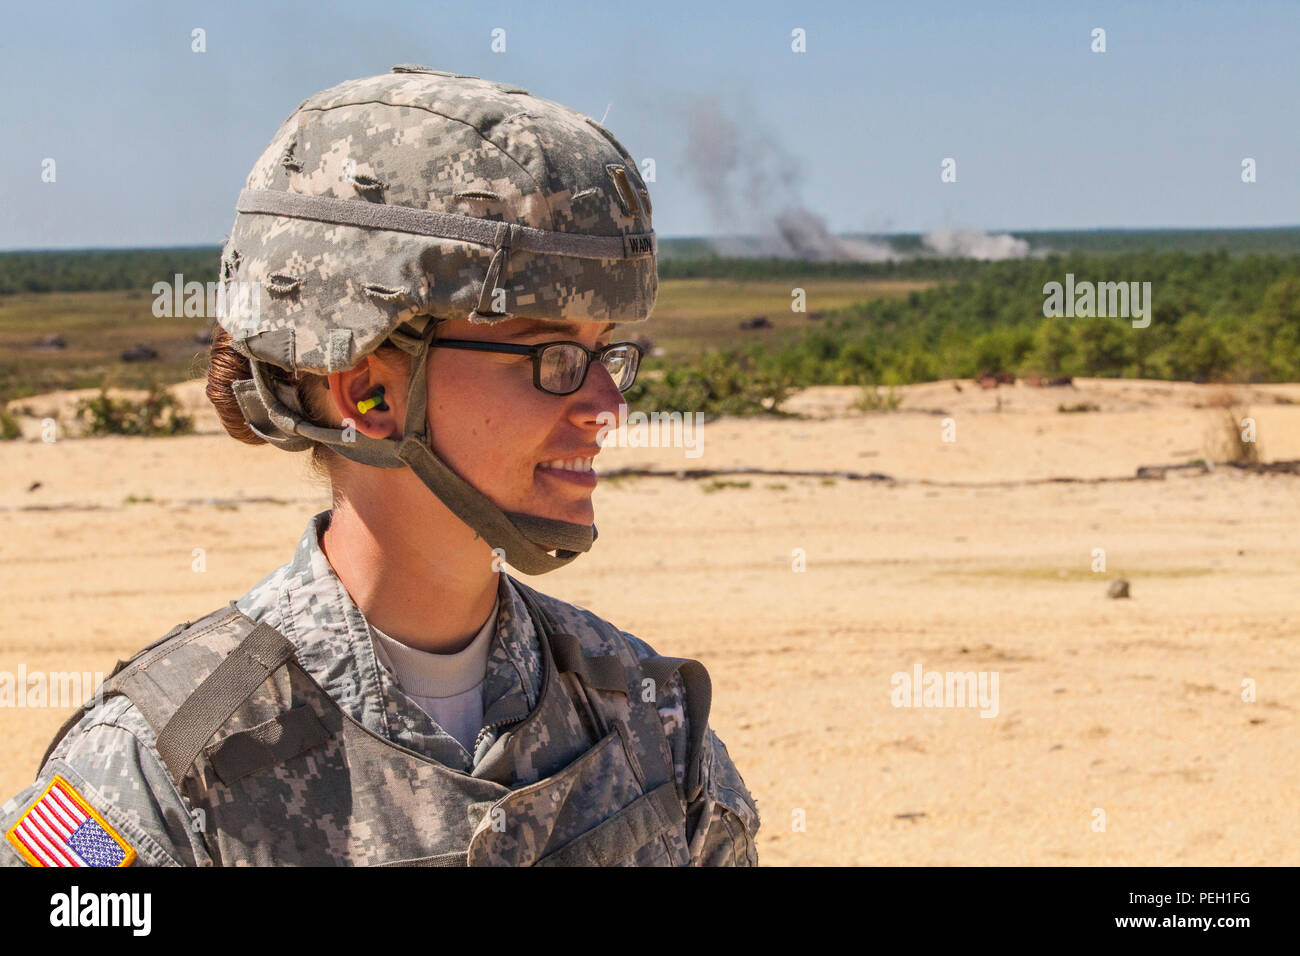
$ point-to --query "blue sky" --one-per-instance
(152, 141)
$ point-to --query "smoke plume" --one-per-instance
(750, 186)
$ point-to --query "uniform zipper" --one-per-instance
(488, 728)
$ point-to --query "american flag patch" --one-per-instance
(61, 829)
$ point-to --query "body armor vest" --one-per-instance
(279, 774)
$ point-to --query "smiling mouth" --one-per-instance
(576, 473)
(579, 465)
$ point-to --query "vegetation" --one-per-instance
(81, 270)
(96, 328)
(874, 399)
(9, 428)
(1214, 319)
(158, 415)
(1230, 438)
(719, 383)
(85, 270)
(717, 484)
(1226, 314)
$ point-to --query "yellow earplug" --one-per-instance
(378, 402)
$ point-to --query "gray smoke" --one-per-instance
(750, 184)
(972, 244)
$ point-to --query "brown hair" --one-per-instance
(226, 365)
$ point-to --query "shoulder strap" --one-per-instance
(604, 672)
(203, 712)
(699, 698)
(111, 687)
(609, 673)
(183, 719)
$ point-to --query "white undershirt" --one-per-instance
(448, 687)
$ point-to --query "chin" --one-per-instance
(575, 512)
(566, 504)
(576, 515)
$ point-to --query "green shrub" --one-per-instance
(1214, 318)
(9, 429)
(1203, 350)
(158, 415)
(719, 383)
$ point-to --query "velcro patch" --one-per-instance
(62, 829)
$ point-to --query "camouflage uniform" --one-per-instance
(254, 798)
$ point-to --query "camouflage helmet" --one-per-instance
(387, 204)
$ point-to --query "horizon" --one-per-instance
(711, 238)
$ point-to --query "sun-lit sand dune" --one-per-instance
(970, 560)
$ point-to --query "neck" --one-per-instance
(416, 571)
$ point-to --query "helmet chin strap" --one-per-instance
(525, 539)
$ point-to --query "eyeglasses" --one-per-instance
(560, 368)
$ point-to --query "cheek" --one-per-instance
(484, 424)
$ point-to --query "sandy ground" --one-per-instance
(971, 561)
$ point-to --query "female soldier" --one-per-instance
(437, 263)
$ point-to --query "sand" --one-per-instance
(1123, 712)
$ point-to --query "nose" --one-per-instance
(598, 394)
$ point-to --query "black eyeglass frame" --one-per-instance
(535, 353)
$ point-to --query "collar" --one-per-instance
(426, 674)
(306, 602)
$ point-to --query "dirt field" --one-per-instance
(971, 560)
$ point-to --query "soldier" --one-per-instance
(439, 262)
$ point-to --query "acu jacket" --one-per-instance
(266, 733)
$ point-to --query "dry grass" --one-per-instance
(693, 316)
(97, 327)
(1232, 436)
(875, 399)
